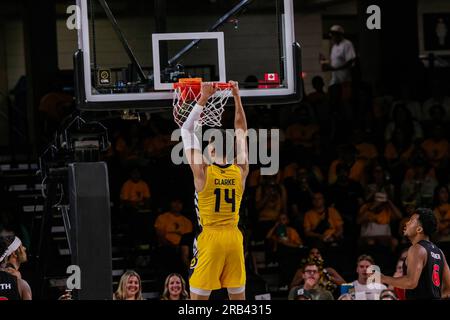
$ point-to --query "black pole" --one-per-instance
(122, 39)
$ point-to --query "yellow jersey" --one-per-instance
(217, 205)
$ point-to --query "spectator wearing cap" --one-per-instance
(363, 290)
(342, 58)
(311, 277)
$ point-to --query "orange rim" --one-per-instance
(196, 83)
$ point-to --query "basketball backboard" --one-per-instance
(130, 53)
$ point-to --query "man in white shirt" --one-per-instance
(363, 290)
(342, 57)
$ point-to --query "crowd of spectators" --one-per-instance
(345, 193)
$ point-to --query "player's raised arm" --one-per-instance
(415, 261)
(192, 146)
(240, 127)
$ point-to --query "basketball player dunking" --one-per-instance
(427, 275)
(218, 260)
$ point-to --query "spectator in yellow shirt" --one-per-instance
(172, 225)
(375, 218)
(135, 192)
(322, 224)
(286, 246)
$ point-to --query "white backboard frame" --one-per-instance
(157, 37)
(165, 92)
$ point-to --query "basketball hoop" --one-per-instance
(186, 94)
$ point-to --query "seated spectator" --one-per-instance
(271, 201)
(299, 190)
(347, 155)
(398, 152)
(175, 288)
(319, 101)
(437, 148)
(54, 107)
(284, 235)
(362, 290)
(318, 96)
(311, 278)
(379, 181)
(302, 131)
(330, 279)
(438, 97)
(402, 119)
(135, 192)
(286, 244)
(419, 182)
(135, 210)
(172, 225)
(130, 287)
(399, 272)
(405, 95)
(128, 146)
(388, 295)
(375, 218)
(323, 225)
(12, 255)
(365, 149)
(346, 196)
(437, 117)
(441, 207)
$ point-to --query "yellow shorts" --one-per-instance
(218, 260)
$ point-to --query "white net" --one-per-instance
(185, 98)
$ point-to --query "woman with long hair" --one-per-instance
(175, 288)
(130, 287)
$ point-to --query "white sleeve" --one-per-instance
(349, 51)
(190, 140)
